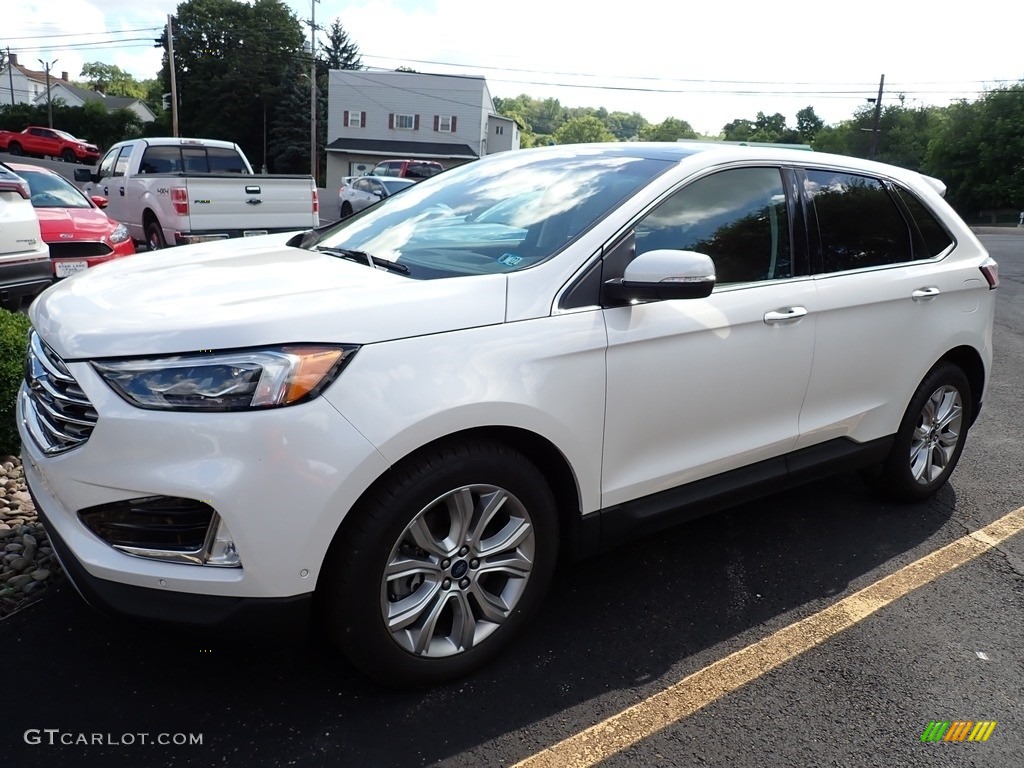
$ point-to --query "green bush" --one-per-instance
(13, 338)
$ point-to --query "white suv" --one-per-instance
(24, 257)
(411, 414)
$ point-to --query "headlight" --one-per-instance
(227, 381)
(119, 235)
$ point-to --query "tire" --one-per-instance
(14, 148)
(155, 236)
(469, 582)
(346, 209)
(930, 439)
(68, 156)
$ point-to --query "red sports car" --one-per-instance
(79, 233)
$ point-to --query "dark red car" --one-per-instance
(79, 233)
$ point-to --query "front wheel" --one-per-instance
(442, 565)
(68, 156)
(155, 236)
(931, 437)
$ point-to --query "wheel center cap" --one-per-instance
(459, 569)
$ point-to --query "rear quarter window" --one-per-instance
(934, 237)
(859, 223)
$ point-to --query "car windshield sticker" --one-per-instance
(510, 259)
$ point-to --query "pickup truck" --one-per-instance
(172, 191)
(36, 141)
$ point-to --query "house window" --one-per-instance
(354, 119)
(405, 122)
(499, 129)
(444, 123)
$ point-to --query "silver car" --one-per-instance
(359, 192)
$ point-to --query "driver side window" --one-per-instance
(737, 217)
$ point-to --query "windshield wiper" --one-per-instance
(364, 258)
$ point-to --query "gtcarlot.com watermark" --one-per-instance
(55, 736)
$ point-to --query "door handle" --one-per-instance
(784, 315)
(106, 191)
(121, 190)
(925, 294)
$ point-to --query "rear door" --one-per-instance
(887, 296)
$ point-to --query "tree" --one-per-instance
(112, 80)
(669, 129)
(808, 124)
(339, 52)
(626, 126)
(230, 55)
(288, 148)
(582, 130)
(977, 151)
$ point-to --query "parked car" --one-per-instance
(413, 427)
(36, 141)
(171, 191)
(407, 169)
(24, 256)
(359, 192)
(79, 233)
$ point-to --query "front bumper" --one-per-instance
(282, 480)
(234, 613)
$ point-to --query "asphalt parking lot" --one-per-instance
(614, 632)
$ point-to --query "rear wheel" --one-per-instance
(15, 148)
(931, 437)
(346, 209)
(443, 564)
(155, 236)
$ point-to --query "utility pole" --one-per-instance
(174, 85)
(10, 73)
(878, 119)
(49, 98)
(312, 90)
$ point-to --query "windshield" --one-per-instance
(500, 214)
(50, 191)
(395, 185)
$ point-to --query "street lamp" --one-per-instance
(49, 100)
(312, 90)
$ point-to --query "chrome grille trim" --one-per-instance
(55, 410)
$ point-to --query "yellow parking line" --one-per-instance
(693, 693)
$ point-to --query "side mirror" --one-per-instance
(85, 175)
(663, 275)
(100, 201)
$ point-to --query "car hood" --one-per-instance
(251, 292)
(63, 224)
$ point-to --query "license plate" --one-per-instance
(68, 268)
(253, 232)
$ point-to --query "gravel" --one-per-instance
(28, 566)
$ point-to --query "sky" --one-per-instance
(707, 63)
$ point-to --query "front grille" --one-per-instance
(55, 410)
(163, 523)
(78, 250)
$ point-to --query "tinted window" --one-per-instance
(933, 235)
(858, 222)
(161, 160)
(736, 217)
(225, 160)
(422, 170)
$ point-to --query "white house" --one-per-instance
(74, 96)
(21, 85)
(374, 116)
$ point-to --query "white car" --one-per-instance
(359, 192)
(412, 414)
(24, 256)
